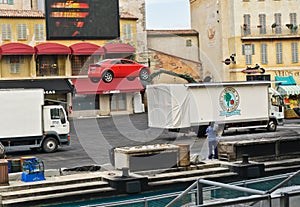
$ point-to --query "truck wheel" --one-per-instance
(50, 145)
(272, 126)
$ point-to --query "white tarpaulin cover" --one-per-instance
(289, 90)
(168, 106)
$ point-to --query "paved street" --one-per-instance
(92, 139)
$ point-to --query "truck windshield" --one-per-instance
(58, 113)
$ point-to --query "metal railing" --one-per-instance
(278, 31)
(260, 195)
(195, 194)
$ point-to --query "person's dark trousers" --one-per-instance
(213, 149)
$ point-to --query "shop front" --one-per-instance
(51, 59)
(121, 96)
(287, 88)
(16, 60)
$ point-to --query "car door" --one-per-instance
(116, 67)
(129, 68)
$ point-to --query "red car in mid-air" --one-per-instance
(109, 69)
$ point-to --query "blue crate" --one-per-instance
(32, 177)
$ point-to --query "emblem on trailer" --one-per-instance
(229, 102)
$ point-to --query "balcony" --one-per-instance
(270, 32)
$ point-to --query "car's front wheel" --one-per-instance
(108, 76)
(144, 74)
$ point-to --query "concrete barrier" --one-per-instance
(262, 149)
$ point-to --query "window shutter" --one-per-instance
(278, 23)
(39, 32)
(278, 53)
(253, 49)
(294, 52)
(262, 23)
(22, 31)
(6, 32)
(10, 2)
(264, 55)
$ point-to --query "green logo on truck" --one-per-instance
(229, 102)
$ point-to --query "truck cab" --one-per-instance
(56, 127)
(55, 119)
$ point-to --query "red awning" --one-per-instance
(16, 49)
(119, 48)
(52, 49)
(85, 48)
(118, 85)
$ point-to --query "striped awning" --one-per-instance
(289, 90)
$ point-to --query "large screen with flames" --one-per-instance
(82, 19)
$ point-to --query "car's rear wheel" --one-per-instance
(95, 80)
(144, 74)
(108, 76)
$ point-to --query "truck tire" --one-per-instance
(272, 126)
(50, 144)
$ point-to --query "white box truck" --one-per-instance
(230, 104)
(26, 121)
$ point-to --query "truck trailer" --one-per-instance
(232, 105)
(26, 121)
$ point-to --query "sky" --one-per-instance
(167, 14)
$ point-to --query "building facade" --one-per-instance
(176, 51)
(259, 35)
(28, 59)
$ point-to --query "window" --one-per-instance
(294, 52)
(293, 22)
(127, 32)
(80, 63)
(258, 77)
(58, 114)
(85, 102)
(262, 23)
(264, 55)
(47, 65)
(278, 23)
(118, 102)
(6, 31)
(189, 43)
(15, 62)
(126, 62)
(247, 25)
(279, 53)
(10, 2)
(39, 32)
(22, 31)
(248, 50)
